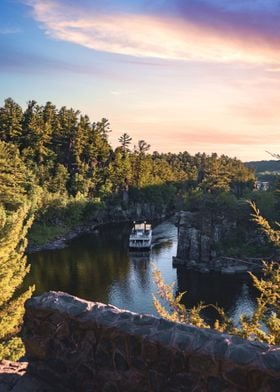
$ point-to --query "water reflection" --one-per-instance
(99, 267)
(234, 293)
(244, 303)
(140, 262)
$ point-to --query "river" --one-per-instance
(98, 267)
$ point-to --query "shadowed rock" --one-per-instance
(86, 346)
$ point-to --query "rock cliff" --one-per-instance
(201, 243)
(198, 234)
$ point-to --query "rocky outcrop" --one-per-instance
(198, 234)
(85, 346)
(200, 239)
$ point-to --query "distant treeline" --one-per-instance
(264, 166)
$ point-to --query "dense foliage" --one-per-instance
(71, 156)
(15, 219)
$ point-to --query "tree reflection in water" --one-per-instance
(234, 293)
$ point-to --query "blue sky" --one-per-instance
(197, 75)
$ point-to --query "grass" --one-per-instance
(41, 234)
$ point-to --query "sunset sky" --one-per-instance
(195, 75)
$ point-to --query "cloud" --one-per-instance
(114, 92)
(200, 30)
(273, 70)
(26, 62)
(217, 137)
(10, 30)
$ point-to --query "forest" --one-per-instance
(68, 158)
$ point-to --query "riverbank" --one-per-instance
(60, 241)
(51, 237)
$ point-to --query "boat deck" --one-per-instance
(141, 236)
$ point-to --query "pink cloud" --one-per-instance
(212, 137)
(152, 35)
(268, 111)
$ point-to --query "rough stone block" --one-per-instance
(87, 346)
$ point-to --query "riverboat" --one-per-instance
(140, 237)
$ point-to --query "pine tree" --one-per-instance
(57, 183)
(37, 132)
(141, 166)
(10, 121)
(15, 219)
(125, 141)
(121, 170)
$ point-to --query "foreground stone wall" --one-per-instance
(14, 377)
(85, 346)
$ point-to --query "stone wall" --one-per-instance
(85, 346)
(14, 377)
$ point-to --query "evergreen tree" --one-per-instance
(64, 136)
(103, 128)
(36, 140)
(216, 175)
(121, 170)
(141, 168)
(15, 219)
(58, 182)
(143, 147)
(10, 121)
(125, 141)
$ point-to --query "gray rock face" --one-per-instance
(198, 238)
(197, 234)
(194, 241)
(205, 248)
(86, 346)
(189, 243)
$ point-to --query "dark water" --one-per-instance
(99, 267)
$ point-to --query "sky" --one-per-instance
(184, 75)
